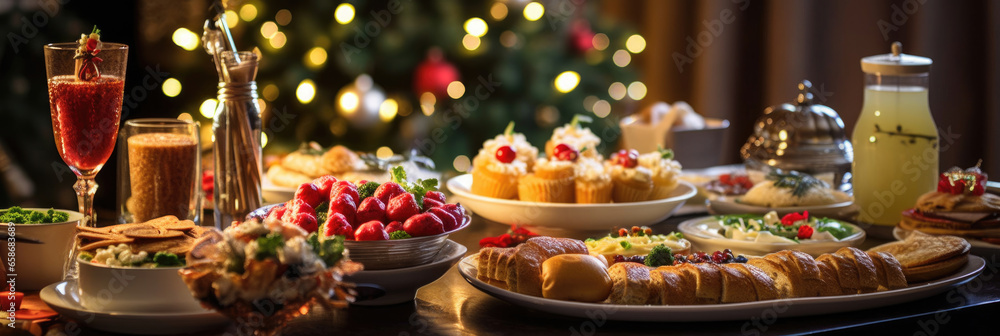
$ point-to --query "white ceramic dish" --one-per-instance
(140, 290)
(580, 217)
(275, 194)
(39, 265)
(64, 298)
(706, 242)
(729, 311)
(723, 205)
(401, 284)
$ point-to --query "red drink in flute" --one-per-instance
(85, 119)
(86, 84)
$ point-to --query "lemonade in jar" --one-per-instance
(895, 139)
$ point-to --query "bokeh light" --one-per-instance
(498, 11)
(306, 91)
(456, 90)
(283, 17)
(186, 39)
(388, 110)
(278, 40)
(635, 44)
(534, 11)
(207, 108)
(621, 58)
(567, 81)
(470, 42)
(602, 108)
(171, 87)
(344, 13)
(268, 29)
(617, 91)
(248, 12)
(601, 41)
(637, 90)
(476, 27)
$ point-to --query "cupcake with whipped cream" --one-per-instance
(593, 183)
(524, 151)
(664, 170)
(632, 182)
(552, 181)
(500, 163)
(576, 136)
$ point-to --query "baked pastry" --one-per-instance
(959, 207)
(500, 163)
(632, 182)
(312, 161)
(925, 257)
(552, 182)
(575, 277)
(664, 171)
(593, 183)
(577, 136)
(519, 269)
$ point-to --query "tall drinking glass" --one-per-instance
(159, 170)
(85, 115)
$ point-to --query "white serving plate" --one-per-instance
(728, 311)
(723, 205)
(275, 194)
(401, 284)
(64, 298)
(708, 243)
(568, 216)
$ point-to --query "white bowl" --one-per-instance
(39, 265)
(729, 205)
(399, 253)
(401, 284)
(569, 216)
(134, 290)
(709, 243)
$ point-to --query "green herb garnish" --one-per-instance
(799, 183)
(367, 190)
(626, 245)
(399, 234)
(418, 188)
(17, 215)
(665, 153)
(164, 259)
(267, 246)
(329, 249)
(660, 255)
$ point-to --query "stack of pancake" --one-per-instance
(925, 257)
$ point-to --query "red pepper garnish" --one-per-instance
(791, 218)
(805, 232)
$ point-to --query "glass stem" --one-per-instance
(85, 187)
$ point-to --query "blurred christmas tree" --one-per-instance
(438, 76)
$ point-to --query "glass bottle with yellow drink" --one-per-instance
(895, 139)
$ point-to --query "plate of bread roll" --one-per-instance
(560, 276)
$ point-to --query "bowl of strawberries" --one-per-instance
(387, 225)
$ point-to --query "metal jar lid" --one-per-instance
(896, 63)
(801, 136)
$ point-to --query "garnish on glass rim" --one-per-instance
(86, 56)
(798, 182)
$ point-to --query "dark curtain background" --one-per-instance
(756, 60)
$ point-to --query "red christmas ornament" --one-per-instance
(434, 74)
(581, 38)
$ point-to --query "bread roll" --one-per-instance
(867, 276)
(630, 284)
(575, 277)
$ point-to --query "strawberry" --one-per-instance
(308, 193)
(325, 185)
(393, 227)
(425, 224)
(344, 205)
(435, 195)
(371, 209)
(456, 210)
(430, 203)
(306, 221)
(337, 224)
(276, 213)
(449, 221)
(387, 191)
(347, 187)
(371, 231)
(401, 207)
(296, 206)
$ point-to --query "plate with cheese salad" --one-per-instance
(637, 241)
(755, 234)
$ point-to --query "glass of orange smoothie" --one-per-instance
(159, 170)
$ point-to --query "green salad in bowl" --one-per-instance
(792, 228)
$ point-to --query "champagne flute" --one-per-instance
(85, 100)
